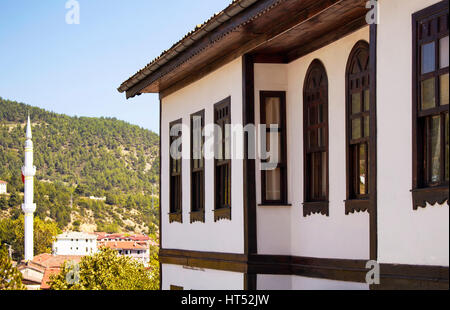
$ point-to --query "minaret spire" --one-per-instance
(28, 207)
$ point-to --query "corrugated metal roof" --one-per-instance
(235, 7)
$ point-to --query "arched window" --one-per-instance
(358, 128)
(315, 139)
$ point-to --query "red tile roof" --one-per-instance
(45, 285)
(124, 245)
(3, 182)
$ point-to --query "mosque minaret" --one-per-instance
(28, 207)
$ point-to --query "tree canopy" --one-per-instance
(10, 277)
(106, 270)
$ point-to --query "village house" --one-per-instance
(3, 187)
(75, 243)
(356, 92)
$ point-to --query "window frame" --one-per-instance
(197, 214)
(222, 213)
(310, 205)
(355, 202)
(282, 165)
(422, 191)
(175, 215)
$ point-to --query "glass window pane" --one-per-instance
(444, 89)
(367, 100)
(324, 175)
(312, 138)
(320, 117)
(356, 103)
(366, 126)
(278, 146)
(446, 147)
(312, 115)
(227, 142)
(443, 52)
(362, 170)
(428, 94)
(273, 184)
(435, 148)
(428, 58)
(272, 111)
(356, 128)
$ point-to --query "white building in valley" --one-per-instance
(3, 187)
(359, 104)
(75, 243)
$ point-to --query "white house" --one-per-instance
(135, 250)
(3, 187)
(359, 102)
(75, 243)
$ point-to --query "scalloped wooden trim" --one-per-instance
(320, 207)
(198, 216)
(222, 214)
(431, 195)
(176, 217)
(356, 206)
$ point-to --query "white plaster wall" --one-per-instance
(225, 235)
(291, 282)
(304, 283)
(68, 247)
(273, 222)
(284, 230)
(200, 279)
(404, 236)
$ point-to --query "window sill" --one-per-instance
(198, 216)
(316, 207)
(431, 195)
(222, 214)
(275, 205)
(176, 217)
(357, 205)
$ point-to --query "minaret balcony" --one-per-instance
(29, 207)
(29, 171)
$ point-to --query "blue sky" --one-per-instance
(76, 69)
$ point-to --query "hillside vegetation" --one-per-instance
(77, 158)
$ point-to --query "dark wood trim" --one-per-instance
(373, 174)
(249, 169)
(176, 216)
(325, 40)
(176, 288)
(431, 195)
(422, 190)
(197, 214)
(357, 202)
(311, 205)
(393, 276)
(222, 212)
(282, 161)
(250, 282)
(255, 41)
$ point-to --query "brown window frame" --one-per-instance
(176, 288)
(176, 180)
(222, 211)
(198, 174)
(423, 191)
(313, 204)
(282, 165)
(359, 82)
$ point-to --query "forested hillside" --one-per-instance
(80, 157)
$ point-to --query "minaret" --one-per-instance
(28, 207)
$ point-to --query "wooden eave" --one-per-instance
(277, 31)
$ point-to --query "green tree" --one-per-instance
(10, 277)
(105, 271)
(11, 232)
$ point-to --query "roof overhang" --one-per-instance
(271, 30)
